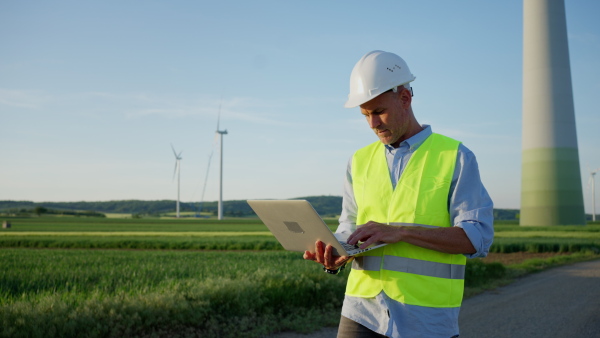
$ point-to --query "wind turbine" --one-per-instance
(221, 133)
(593, 182)
(178, 172)
(551, 184)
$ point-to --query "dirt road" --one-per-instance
(560, 302)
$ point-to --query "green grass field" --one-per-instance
(242, 234)
(184, 234)
(59, 224)
(197, 277)
(61, 293)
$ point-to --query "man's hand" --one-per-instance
(373, 232)
(324, 255)
(452, 240)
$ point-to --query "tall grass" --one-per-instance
(62, 293)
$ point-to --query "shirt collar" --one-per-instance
(415, 141)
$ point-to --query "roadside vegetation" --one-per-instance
(203, 277)
(162, 293)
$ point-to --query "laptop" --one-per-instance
(297, 226)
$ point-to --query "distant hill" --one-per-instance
(506, 214)
(326, 206)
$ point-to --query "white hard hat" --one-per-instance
(374, 74)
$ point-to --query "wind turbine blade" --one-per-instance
(206, 177)
(174, 153)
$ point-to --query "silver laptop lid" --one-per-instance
(296, 225)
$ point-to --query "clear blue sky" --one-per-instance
(92, 93)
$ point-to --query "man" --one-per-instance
(421, 193)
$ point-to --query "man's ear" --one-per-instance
(405, 97)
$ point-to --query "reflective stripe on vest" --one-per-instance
(410, 265)
(407, 273)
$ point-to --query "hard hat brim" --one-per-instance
(353, 103)
(357, 101)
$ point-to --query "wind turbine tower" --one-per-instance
(221, 133)
(178, 172)
(551, 189)
(593, 182)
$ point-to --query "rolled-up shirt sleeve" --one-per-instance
(470, 205)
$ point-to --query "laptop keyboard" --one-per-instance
(349, 247)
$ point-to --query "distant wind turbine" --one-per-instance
(592, 181)
(221, 133)
(178, 172)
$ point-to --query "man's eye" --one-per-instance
(376, 113)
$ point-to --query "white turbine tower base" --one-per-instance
(178, 172)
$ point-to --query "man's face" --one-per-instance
(388, 116)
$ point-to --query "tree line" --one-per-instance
(326, 206)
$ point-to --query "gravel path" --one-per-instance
(560, 302)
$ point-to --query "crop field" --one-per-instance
(62, 293)
(201, 277)
(511, 238)
(57, 224)
(188, 234)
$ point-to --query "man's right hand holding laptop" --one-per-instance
(324, 255)
(370, 233)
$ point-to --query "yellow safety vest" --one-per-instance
(407, 273)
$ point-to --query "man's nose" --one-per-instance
(374, 121)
